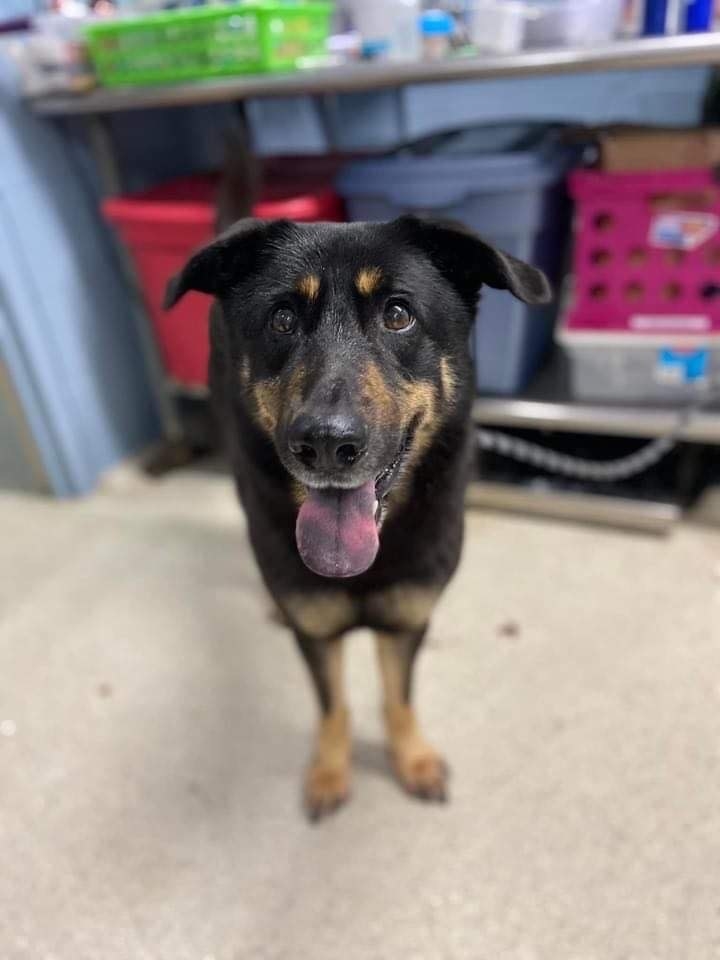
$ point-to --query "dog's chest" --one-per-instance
(327, 613)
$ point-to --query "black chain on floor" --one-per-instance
(605, 471)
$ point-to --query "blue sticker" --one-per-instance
(682, 366)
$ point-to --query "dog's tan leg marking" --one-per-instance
(319, 619)
(327, 782)
(419, 767)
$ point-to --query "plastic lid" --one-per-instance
(436, 23)
(482, 140)
(447, 179)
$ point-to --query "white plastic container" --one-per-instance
(498, 26)
(405, 40)
(572, 23)
(639, 368)
(391, 25)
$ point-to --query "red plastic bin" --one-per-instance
(161, 228)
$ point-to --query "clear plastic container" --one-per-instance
(507, 26)
(498, 26)
(635, 368)
(389, 25)
(572, 23)
(405, 42)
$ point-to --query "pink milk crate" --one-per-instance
(643, 319)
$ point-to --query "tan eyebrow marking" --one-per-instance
(368, 280)
(309, 286)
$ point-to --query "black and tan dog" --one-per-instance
(341, 368)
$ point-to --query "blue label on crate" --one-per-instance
(682, 230)
(679, 367)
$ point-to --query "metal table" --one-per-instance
(548, 405)
(683, 50)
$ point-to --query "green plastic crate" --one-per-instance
(202, 42)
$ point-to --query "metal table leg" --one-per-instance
(103, 150)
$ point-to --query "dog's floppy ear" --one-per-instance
(221, 263)
(468, 262)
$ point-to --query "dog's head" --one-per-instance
(349, 344)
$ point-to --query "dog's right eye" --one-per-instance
(398, 316)
(283, 320)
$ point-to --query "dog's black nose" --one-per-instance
(327, 443)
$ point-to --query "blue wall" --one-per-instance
(67, 329)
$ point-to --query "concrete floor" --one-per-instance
(154, 725)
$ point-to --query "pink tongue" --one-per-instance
(336, 531)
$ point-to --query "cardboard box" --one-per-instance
(624, 149)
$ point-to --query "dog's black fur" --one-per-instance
(404, 392)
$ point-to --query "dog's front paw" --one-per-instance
(326, 789)
(423, 773)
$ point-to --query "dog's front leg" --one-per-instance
(419, 767)
(327, 782)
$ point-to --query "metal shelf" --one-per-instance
(548, 405)
(647, 52)
(585, 418)
(648, 516)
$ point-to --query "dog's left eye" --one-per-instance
(398, 316)
(283, 320)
